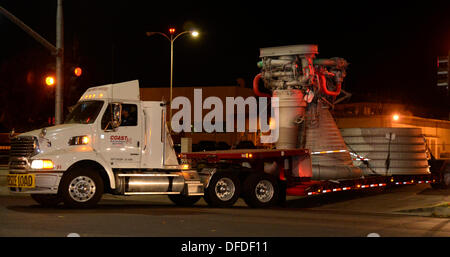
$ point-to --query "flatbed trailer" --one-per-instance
(295, 184)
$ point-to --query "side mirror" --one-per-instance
(116, 115)
(11, 134)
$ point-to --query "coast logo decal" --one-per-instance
(120, 140)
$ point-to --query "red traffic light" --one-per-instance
(172, 31)
(77, 71)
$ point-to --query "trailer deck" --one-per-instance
(304, 186)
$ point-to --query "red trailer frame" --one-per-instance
(302, 186)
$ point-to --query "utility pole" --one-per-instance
(59, 64)
(58, 51)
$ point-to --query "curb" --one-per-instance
(441, 210)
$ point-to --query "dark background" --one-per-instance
(391, 46)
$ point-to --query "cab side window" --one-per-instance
(129, 116)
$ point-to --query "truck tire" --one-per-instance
(446, 180)
(47, 200)
(260, 190)
(223, 190)
(444, 183)
(81, 188)
(182, 200)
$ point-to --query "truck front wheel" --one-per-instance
(81, 188)
(260, 190)
(47, 200)
(223, 190)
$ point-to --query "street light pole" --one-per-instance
(171, 77)
(172, 40)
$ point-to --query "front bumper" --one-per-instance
(46, 183)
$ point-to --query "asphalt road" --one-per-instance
(339, 215)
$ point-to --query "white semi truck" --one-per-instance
(112, 142)
(98, 150)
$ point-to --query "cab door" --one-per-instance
(121, 147)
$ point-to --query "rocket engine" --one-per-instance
(294, 75)
(306, 87)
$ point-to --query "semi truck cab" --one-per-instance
(111, 142)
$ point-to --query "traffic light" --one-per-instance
(77, 71)
(443, 71)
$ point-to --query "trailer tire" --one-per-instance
(444, 183)
(182, 200)
(81, 188)
(223, 190)
(261, 190)
(47, 200)
(446, 180)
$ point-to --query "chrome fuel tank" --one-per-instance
(150, 182)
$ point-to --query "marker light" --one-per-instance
(85, 140)
(185, 166)
(172, 31)
(42, 164)
(79, 140)
(272, 123)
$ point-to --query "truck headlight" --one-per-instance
(42, 164)
(79, 140)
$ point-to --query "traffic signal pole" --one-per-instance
(59, 64)
(58, 51)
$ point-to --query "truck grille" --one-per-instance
(23, 146)
(21, 149)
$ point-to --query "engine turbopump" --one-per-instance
(293, 75)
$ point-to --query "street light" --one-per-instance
(172, 38)
(50, 81)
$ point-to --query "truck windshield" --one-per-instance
(85, 112)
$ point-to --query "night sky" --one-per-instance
(391, 46)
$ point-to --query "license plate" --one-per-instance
(21, 180)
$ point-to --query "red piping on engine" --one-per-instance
(323, 85)
(256, 87)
